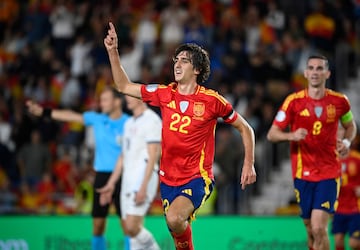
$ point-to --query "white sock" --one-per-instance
(144, 240)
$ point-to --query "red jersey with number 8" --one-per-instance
(314, 158)
(188, 132)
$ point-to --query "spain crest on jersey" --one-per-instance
(199, 109)
(331, 113)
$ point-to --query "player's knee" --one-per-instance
(131, 228)
(174, 221)
(354, 243)
(132, 232)
(319, 232)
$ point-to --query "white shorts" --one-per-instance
(127, 199)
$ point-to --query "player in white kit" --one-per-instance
(138, 165)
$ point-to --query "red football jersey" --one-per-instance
(314, 158)
(348, 202)
(188, 132)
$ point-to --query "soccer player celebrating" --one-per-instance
(189, 117)
(313, 115)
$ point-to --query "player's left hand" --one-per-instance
(248, 176)
(357, 191)
(342, 149)
(140, 196)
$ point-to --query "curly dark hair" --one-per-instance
(199, 59)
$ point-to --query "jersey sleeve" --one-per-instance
(89, 118)
(225, 109)
(283, 116)
(150, 94)
(347, 114)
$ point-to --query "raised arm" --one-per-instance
(248, 174)
(121, 80)
(56, 114)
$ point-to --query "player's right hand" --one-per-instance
(111, 40)
(342, 149)
(106, 193)
(34, 108)
(299, 134)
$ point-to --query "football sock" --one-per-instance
(98, 243)
(183, 241)
(144, 240)
(126, 242)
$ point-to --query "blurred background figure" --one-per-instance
(34, 160)
(108, 128)
(346, 220)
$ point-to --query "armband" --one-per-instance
(346, 142)
(46, 113)
(348, 117)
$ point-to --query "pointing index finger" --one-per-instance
(112, 27)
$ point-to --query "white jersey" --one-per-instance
(138, 133)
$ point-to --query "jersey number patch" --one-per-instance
(317, 128)
(180, 123)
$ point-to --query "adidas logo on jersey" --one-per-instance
(305, 112)
(171, 105)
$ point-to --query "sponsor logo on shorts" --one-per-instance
(326, 205)
(187, 191)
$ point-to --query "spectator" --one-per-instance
(29, 199)
(36, 23)
(320, 27)
(45, 189)
(64, 22)
(146, 33)
(65, 173)
(172, 20)
(34, 160)
(227, 154)
(8, 199)
(9, 10)
(71, 90)
(80, 60)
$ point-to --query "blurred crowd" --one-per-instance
(51, 51)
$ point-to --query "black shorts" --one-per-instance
(99, 211)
